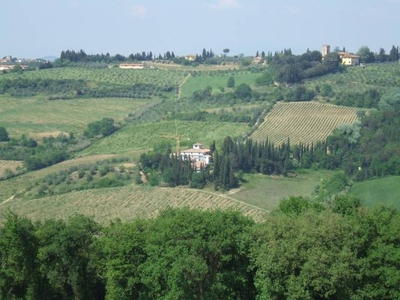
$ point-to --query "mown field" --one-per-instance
(378, 191)
(304, 122)
(216, 80)
(267, 191)
(146, 136)
(357, 79)
(35, 115)
(125, 203)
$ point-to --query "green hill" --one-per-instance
(379, 191)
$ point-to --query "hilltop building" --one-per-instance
(348, 59)
(258, 60)
(190, 57)
(325, 50)
(199, 156)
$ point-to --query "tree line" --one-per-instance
(303, 250)
(81, 56)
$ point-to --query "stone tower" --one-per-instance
(325, 50)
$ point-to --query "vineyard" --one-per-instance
(125, 203)
(303, 122)
(146, 136)
(103, 76)
(374, 76)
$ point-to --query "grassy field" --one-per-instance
(304, 122)
(12, 165)
(216, 81)
(125, 203)
(267, 191)
(357, 79)
(37, 115)
(145, 136)
(378, 191)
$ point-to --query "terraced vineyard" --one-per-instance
(125, 203)
(303, 122)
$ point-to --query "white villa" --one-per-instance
(199, 156)
(135, 66)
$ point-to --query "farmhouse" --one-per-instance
(136, 66)
(6, 67)
(10, 67)
(349, 59)
(198, 155)
(258, 60)
(190, 57)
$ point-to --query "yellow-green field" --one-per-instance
(36, 115)
(303, 122)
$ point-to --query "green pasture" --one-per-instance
(358, 79)
(38, 115)
(145, 136)
(378, 191)
(216, 80)
(267, 191)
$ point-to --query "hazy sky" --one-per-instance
(37, 28)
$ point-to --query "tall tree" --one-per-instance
(366, 55)
(3, 134)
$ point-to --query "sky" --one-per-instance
(39, 28)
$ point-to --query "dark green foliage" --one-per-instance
(231, 82)
(64, 255)
(390, 100)
(301, 251)
(19, 278)
(367, 99)
(345, 205)
(3, 135)
(243, 91)
(292, 69)
(294, 206)
(197, 255)
(104, 127)
(265, 79)
(312, 256)
(300, 93)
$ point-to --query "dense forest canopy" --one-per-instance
(304, 250)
